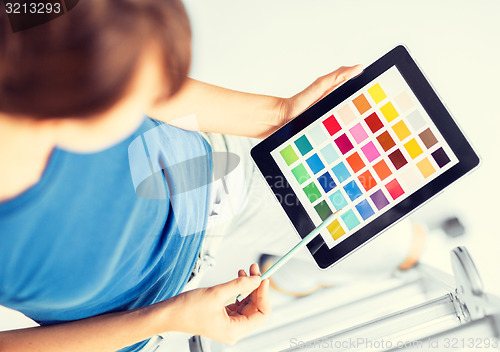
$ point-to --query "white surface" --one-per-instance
(279, 47)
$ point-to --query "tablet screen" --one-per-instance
(364, 156)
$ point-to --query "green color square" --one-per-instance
(350, 219)
(312, 192)
(323, 210)
(301, 173)
(303, 145)
(289, 155)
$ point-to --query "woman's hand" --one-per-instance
(204, 311)
(291, 107)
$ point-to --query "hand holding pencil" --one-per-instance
(295, 249)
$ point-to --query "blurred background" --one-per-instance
(279, 47)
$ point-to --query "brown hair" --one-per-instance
(81, 63)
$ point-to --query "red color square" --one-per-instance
(332, 125)
(374, 122)
(382, 170)
(394, 189)
(398, 159)
(344, 143)
(367, 180)
(355, 162)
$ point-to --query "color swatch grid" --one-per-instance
(364, 156)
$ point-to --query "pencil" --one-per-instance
(310, 236)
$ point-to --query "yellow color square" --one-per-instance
(389, 111)
(401, 130)
(335, 230)
(413, 148)
(377, 93)
(426, 167)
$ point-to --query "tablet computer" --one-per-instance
(373, 150)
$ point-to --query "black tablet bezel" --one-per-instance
(467, 158)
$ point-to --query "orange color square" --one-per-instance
(355, 161)
(401, 130)
(367, 180)
(361, 104)
(426, 167)
(382, 170)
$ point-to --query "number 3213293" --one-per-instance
(33, 8)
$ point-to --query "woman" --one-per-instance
(97, 266)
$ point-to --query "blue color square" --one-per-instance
(350, 219)
(338, 200)
(303, 145)
(364, 209)
(326, 181)
(352, 190)
(341, 172)
(315, 164)
(329, 154)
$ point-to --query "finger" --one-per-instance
(232, 309)
(241, 285)
(254, 270)
(327, 83)
(241, 273)
(344, 73)
(249, 320)
(258, 300)
(262, 302)
(324, 85)
(334, 79)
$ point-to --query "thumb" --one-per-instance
(241, 285)
(323, 86)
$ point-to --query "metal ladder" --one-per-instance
(422, 309)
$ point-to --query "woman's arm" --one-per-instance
(227, 111)
(220, 110)
(107, 332)
(198, 312)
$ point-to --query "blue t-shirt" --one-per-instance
(107, 231)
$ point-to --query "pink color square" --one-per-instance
(370, 151)
(394, 188)
(359, 133)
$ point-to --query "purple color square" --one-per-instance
(379, 199)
